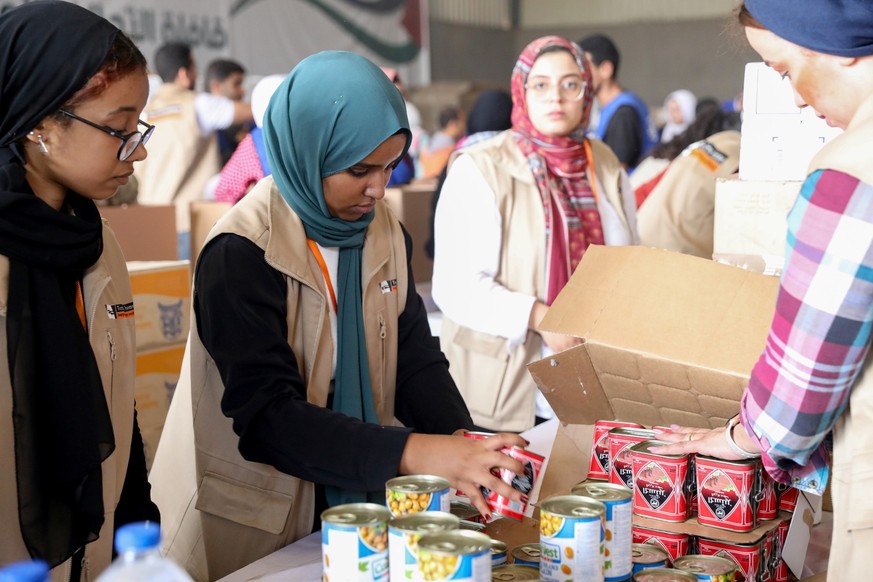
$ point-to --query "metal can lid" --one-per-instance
(648, 554)
(513, 572)
(713, 565)
(573, 506)
(417, 484)
(498, 547)
(425, 521)
(634, 432)
(455, 543)
(645, 446)
(463, 510)
(604, 492)
(706, 460)
(664, 575)
(356, 514)
(528, 552)
(472, 525)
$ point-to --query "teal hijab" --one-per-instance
(330, 113)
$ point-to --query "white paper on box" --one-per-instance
(778, 138)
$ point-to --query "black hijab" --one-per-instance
(49, 50)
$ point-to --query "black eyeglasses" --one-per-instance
(129, 142)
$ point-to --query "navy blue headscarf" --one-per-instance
(834, 27)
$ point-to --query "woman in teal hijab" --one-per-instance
(309, 335)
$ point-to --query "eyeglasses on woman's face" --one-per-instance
(569, 87)
(129, 142)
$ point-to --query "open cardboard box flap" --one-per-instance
(666, 337)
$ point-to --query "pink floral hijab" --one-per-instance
(560, 169)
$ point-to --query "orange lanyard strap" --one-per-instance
(592, 173)
(80, 306)
(317, 252)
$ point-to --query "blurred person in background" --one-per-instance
(813, 382)
(224, 78)
(624, 124)
(679, 111)
(435, 153)
(515, 216)
(72, 465)
(184, 155)
(249, 162)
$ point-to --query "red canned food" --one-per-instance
(768, 507)
(728, 492)
(525, 482)
(750, 559)
(781, 572)
(659, 483)
(621, 470)
(787, 496)
(676, 544)
(598, 466)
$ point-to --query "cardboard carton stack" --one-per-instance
(161, 296)
(778, 141)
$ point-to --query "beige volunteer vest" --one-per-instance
(181, 160)
(219, 511)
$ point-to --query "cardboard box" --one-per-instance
(751, 223)
(204, 215)
(145, 233)
(778, 138)
(157, 372)
(411, 204)
(162, 302)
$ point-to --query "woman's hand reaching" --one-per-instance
(466, 463)
(710, 442)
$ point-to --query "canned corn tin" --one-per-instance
(617, 563)
(571, 539)
(675, 544)
(462, 556)
(729, 493)
(659, 483)
(620, 463)
(526, 555)
(664, 575)
(598, 465)
(414, 493)
(749, 559)
(403, 534)
(707, 568)
(354, 542)
(514, 573)
(498, 553)
(645, 556)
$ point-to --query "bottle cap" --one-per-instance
(35, 571)
(143, 535)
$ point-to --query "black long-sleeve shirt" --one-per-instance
(240, 304)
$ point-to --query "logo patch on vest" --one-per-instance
(120, 310)
(708, 155)
(388, 286)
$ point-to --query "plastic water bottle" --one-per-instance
(139, 557)
(35, 571)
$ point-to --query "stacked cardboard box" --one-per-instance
(161, 297)
(666, 338)
(778, 141)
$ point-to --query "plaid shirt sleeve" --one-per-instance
(820, 332)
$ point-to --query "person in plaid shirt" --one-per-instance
(813, 379)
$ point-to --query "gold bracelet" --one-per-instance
(729, 437)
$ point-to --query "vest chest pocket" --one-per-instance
(244, 504)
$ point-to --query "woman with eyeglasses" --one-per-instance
(514, 218)
(72, 467)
